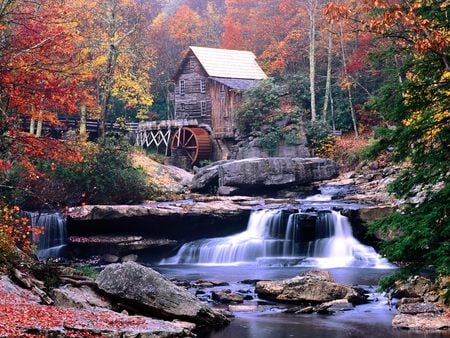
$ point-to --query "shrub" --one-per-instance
(106, 176)
(15, 231)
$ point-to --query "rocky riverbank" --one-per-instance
(422, 304)
(125, 300)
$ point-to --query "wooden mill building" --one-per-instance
(209, 85)
(207, 89)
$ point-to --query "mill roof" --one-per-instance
(227, 63)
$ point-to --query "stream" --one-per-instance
(274, 247)
(278, 245)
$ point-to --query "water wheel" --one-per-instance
(193, 142)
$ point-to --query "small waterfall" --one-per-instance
(328, 242)
(340, 248)
(52, 242)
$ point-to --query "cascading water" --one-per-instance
(52, 242)
(327, 242)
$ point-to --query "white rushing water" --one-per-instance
(53, 240)
(270, 239)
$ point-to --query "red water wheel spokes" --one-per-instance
(194, 143)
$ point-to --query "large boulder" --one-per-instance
(251, 147)
(258, 174)
(311, 287)
(143, 288)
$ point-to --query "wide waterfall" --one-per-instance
(272, 237)
(53, 241)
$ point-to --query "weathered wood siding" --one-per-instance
(223, 103)
(189, 104)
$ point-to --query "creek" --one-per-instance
(278, 243)
(277, 246)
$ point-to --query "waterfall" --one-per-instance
(327, 242)
(52, 242)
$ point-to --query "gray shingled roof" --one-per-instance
(227, 63)
(241, 84)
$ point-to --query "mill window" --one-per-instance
(203, 86)
(182, 87)
(203, 107)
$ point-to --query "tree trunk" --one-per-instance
(32, 123)
(107, 88)
(328, 81)
(39, 126)
(349, 90)
(83, 129)
(312, 55)
(333, 115)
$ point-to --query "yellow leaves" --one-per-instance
(133, 90)
(346, 83)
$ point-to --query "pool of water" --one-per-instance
(369, 320)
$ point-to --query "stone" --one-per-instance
(243, 308)
(227, 191)
(226, 296)
(251, 147)
(129, 258)
(108, 258)
(202, 283)
(83, 297)
(416, 308)
(423, 321)
(262, 173)
(334, 306)
(415, 287)
(311, 287)
(146, 289)
(408, 301)
(307, 309)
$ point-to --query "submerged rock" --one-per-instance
(252, 174)
(143, 288)
(311, 287)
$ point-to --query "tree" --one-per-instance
(415, 103)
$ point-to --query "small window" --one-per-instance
(222, 91)
(183, 107)
(203, 107)
(203, 86)
(182, 87)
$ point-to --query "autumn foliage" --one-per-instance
(15, 231)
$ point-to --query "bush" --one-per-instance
(265, 115)
(16, 231)
(107, 176)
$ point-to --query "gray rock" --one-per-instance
(108, 258)
(311, 287)
(334, 306)
(83, 297)
(144, 288)
(263, 173)
(416, 308)
(129, 258)
(422, 322)
(227, 191)
(226, 296)
(415, 287)
(251, 147)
